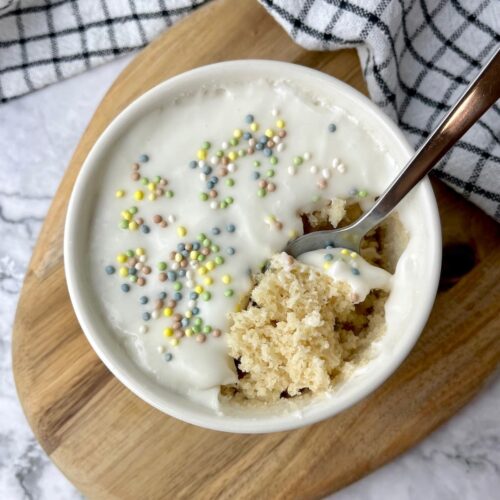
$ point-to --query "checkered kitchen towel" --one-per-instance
(417, 56)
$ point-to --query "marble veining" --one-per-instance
(37, 136)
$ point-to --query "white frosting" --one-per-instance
(346, 159)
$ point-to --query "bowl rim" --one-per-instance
(227, 423)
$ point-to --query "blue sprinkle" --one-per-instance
(332, 127)
(328, 256)
(215, 230)
(353, 192)
(214, 179)
(195, 310)
(247, 135)
(329, 247)
(180, 247)
(144, 158)
(125, 287)
(145, 229)
(259, 146)
(182, 272)
(355, 271)
(196, 245)
(207, 169)
(185, 322)
(230, 251)
(255, 175)
(177, 296)
(193, 295)
(231, 228)
(172, 275)
(249, 119)
(263, 139)
(193, 164)
(162, 295)
(146, 316)
(143, 299)
(110, 269)
(185, 253)
(210, 184)
(132, 271)
(168, 356)
(268, 152)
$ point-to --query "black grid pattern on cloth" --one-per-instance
(417, 57)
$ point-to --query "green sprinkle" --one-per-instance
(156, 179)
(242, 153)
(261, 193)
(206, 242)
(162, 266)
(203, 196)
(132, 278)
(219, 260)
(297, 160)
(169, 194)
(200, 258)
(215, 248)
(207, 329)
(219, 153)
(256, 163)
(133, 210)
(206, 296)
(273, 160)
(230, 182)
(362, 193)
(270, 172)
(196, 329)
(229, 292)
(197, 322)
(201, 237)
(123, 224)
(229, 200)
(206, 145)
(234, 141)
(144, 181)
(129, 253)
(223, 204)
(177, 286)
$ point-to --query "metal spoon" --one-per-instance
(478, 97)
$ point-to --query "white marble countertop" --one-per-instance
(37, 136)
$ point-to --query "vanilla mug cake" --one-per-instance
(180, 281)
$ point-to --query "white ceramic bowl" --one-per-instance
(104, 342)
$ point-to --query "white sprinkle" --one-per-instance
(201, 163)
(171, 218)
(292, 170)
(341, 168)
(213, 205)
(143, 329)
(354, 264)
(224, 145)
(280, 147)
(335, 162)
(307, 156)
(161, 349)
(155, 314)
(139, 265)
(189, 274)
(203, 177)
(174, 266)
(251, 142)
(313, 169)
(193, 264)
(275, 112)
(231, 167)
(214, 160)
(142, 258)
(191, 304)
(326, 174)
(190, 283)
(276, 139)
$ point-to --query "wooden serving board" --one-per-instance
(112, 445)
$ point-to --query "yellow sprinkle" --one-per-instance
(174, 342)
(237, 308)
(188, 332)
(201, 154)
(126, 215)
(327, 265)
(254, 127)
(208, 280)
(121, 258)
(210, 265)
(354, 255)
(139, 195)
(293, 233)
(123, 272)
(181, 231)
(151, 196)
(269, 133)
(237, 133)
(280, 124)
(232, 155)
(226, 279)
(151, 186)
(188, 314)
(198, 289)
(178, 257)
(140, 251)
(168, 311)
(344, 251)
(168, 332)
(202, 270)
(193, 255)
(120, 193)
(133, 226)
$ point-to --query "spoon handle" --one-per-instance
(478, 97)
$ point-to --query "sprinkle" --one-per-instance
(143, 329)
(161, 266)
(230, 251)
(307, 155)
(120, 193)
(326, 174)
(297, 160)
(270, 173)
(161, 349)
(215, 230)
(237, 133)
(171, 219)
(327, 265)
(172, 275)
(230, 228)
(273, 160)
(174, 342)
(353, 192)
(332, 127)
(206, 296)
(193, 164)
(144, 181)
(168, 357)
(313, 169)
(146, 316)
(292, 170)
(254, 127)
(168, 311)
(328, 256)
(200, 338)
(123, 272)
(125, 288)
(344, 251)
(123, 224)
(143, 300)
(155, 314)
(261, 193)
(268, 133)
(280, 123)
(139, 195)
(169, 193)
(354, 255)
(219, 260)
(271, 187)
(208, 281)
(341, 168)
(229, 292)
(201, 154)
(110, 269)
(275, 112)
(181, 231)
(322, 183)
(144, 158)
(226, 279)
(362, 193)
(230, 182)
(355, 271)
(145, 229)
(293, 233)
(210, 265)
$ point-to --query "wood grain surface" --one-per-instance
(111, 445)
